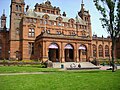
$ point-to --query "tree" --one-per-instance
(110, 11)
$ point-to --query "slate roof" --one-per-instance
(32, 13)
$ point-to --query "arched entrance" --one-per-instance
(82, 53)
(53, 53)
(69, 55)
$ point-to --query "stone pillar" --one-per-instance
(80, 55)
(90, 52)
(67, 54)
(45, 52)
(77, 53)
(62, 53)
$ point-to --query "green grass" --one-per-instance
(61, 80)
(32, 68)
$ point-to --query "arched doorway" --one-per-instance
(82, 53)
(53, 53)
(69, 55)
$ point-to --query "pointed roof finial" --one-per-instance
(4, 11)
(82, 1)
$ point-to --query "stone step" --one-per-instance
(73, 65)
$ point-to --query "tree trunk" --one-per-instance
(113, 54)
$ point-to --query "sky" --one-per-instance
(71, 7)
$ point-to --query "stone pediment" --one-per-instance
(31, 25)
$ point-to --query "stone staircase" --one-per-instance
(74, 65)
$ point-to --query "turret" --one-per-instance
(3, 20)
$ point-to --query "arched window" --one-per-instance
(17, 7)
(17, 31)
(106, 51)
(20, 8)
(31, 32)
(100, 50)
(94, 50)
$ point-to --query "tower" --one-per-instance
(3, 20)
(16, 14)
(85, 17)
(83, 13)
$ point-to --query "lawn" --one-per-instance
(62, 80)
(30, 68)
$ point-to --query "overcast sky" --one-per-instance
(71, 7)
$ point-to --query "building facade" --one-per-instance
(43, 33)
(4, 38)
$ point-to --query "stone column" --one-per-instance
(45, 52)
(80, 55)
(62, 53)
(67, 54)
(77, 53)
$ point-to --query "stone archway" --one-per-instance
(69, 53)
(82, 53)
(53, 53)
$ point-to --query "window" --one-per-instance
(34, 20)
(55, 23)
(48, 31)
(44, 10)
(41, 22)
(58, 32)
(59, 24)
(51, 23)
(72, 25)
(106, 51)
(100, 51)
(94, 50)
(57, 12)
(45, 22)
(48, 11)
(20, 8)
(30, 20)
(31, 48)
(39, 9)
(63, 24)
(17, 31)
(17, 7)
(52, 12)
(31, 32)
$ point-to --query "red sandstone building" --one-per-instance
(44, 33)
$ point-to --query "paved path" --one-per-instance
(24, 73)
(107, 67)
